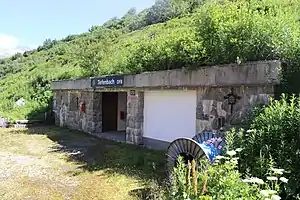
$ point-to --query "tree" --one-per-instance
(113, 23)
(47, 44)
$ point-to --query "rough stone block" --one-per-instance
(132, 136)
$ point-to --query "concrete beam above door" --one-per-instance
(254, 73)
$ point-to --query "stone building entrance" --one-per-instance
(109, 111)
(114, 109)
(158, 107)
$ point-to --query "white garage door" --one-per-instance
(169, 114)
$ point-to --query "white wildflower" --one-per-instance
(235, 162)
(272, 178)
(275, 197)
(265, 193)
(284, 180)
(256, 180)
(219, 157)
(272, 192)
(250, 131)
(231, 153)
(238, 149)
(246, 180)
(277, 171)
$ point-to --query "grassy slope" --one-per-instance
(216, 33)
(17, 85)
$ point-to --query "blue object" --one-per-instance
(210, 150)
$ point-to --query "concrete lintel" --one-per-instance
(254, 73)
(73, 84)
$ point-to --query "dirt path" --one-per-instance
(29, 171)
(39, 166)
(34, 177)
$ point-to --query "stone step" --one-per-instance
(27, 121)
(19, 125)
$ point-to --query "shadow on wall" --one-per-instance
(94, 154)
(44, 114)
(289, 80)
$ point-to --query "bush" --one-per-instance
(249, 30)
(224, 181)
(274, 137)
(221, 181)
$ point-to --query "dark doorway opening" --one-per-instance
(109, 111)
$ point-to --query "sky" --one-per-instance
(25, 24)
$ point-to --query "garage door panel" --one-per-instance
(169, 114)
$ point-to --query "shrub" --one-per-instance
(221, 181)
(249, 30)
(224, 181)
(274, 137)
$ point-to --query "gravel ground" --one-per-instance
(32, 166)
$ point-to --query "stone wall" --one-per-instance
(96, 123)
(135, 118)
(61, 107)
(68, 114)
(214, 110)
(217, 87)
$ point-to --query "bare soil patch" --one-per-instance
(51, 163)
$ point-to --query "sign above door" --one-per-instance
(108, 81)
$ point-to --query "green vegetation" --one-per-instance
(47, 162)
(103, 50)
(170, 34)
(273, 137)
(266, 153)
(175, 34)
(221, 180)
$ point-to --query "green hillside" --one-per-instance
(171, 34)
